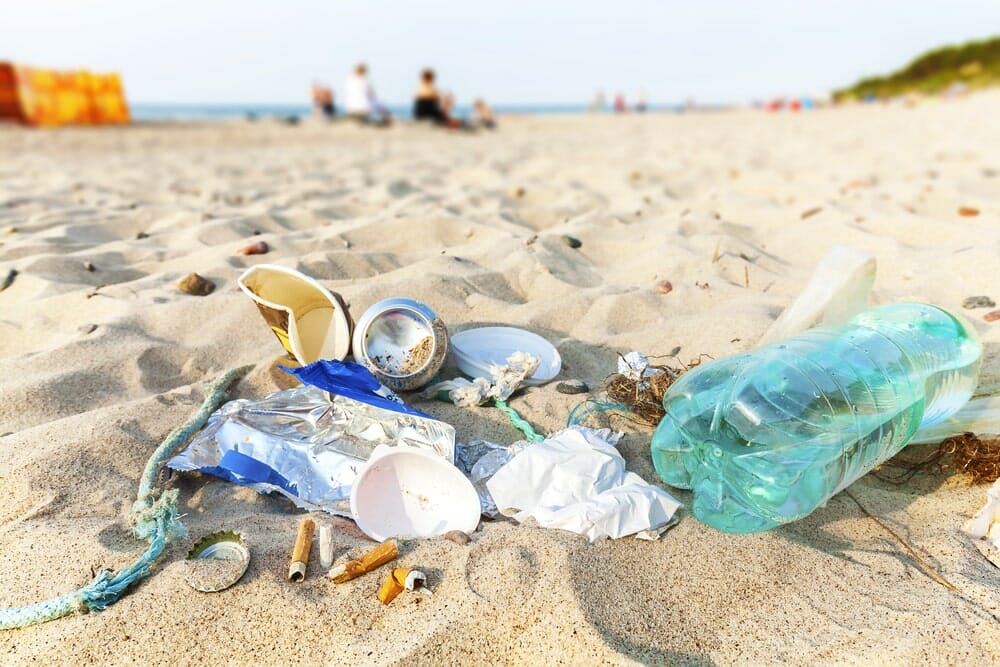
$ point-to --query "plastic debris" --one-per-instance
(576, 480)
(310, 445)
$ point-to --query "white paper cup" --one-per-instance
(402, 491)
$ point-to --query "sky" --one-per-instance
(507, 51)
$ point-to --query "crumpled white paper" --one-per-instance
(576, 480)
(986, 523)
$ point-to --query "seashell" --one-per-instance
(971, 302)
(572, 387)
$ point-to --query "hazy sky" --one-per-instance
(508, 51)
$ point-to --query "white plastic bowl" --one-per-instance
(402, 491)
(475, 349)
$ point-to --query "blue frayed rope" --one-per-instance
(153, 518)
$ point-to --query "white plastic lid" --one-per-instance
(476, 349)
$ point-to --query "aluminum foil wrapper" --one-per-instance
(479, 460)
(306, 444)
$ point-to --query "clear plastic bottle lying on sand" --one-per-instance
(766, 437)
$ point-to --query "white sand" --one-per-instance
(436, 216)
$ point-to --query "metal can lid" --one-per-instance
(217, 561)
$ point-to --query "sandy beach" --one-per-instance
(97, 367)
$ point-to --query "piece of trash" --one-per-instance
(663, 287)
(217, 561)
(8, 279)
(300, 552)
(576, 480)
(87, 328)
(476, 350)
(810, 212)
(504, 381)
(402, 342)
(479, 460)
(308, 443)
(457, 536)
(196, 285)
(89, 266)
(992, 316)
(402, 579)
(572, 387)
(985, 524)
(766, 437)
(325, 546)
(971, 302)
(310, 321)
(571, 241)
(634, 366)
(409, 492)
(258, 248)
(968, 211)
(374, 559)
(838, 289)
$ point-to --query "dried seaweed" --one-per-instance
(645, 396)
(966, 454)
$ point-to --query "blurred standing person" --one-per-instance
(619, 105)
(360, 102)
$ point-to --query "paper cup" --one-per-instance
(403, 491)
(310, 321)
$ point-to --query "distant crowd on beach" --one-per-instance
(361, 104)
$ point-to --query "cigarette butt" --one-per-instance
(325, 546)
(300, 553)
(392, 586)
(375, 558)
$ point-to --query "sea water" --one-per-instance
(766, 437)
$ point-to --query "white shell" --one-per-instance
(403, 491)
(475, 349)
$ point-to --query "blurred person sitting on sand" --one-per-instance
(322, 97)
(360, 102)
(482, 115)
(428, 103)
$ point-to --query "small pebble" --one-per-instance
(6, 433)
(978, 302)
(141, 235)
(968, 211)
(347, 244)
(517, 192)
(992, 316)
(194, 284)
(572, 387)
(635, 176)
(89, 266)
(811, 212)
(258, 248)
(456, 536)
(10, 230)
(571, 241)
(5, 283)
(87, 328)
(664, 287)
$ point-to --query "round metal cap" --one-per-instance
(217, 561)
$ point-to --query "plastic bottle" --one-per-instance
(766, 437)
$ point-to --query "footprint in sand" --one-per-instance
(505, 576)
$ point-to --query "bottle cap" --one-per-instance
(217, 561)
